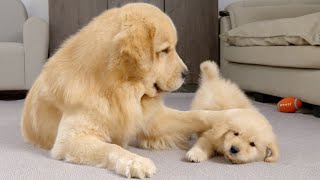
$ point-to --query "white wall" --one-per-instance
(37, 8)
(40, 7)
(224, 3)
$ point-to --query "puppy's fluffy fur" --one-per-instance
(101, 90)
(245, 136)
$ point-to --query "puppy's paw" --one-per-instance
(196, 155)
(151, 91)
(149, 88)
(270, 159)
(140, 168)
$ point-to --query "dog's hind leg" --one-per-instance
(40, 121)
(80, 141)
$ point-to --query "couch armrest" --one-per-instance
(36, 44)
(225, 24)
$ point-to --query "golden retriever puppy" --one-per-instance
(244, 135)
(102, 89)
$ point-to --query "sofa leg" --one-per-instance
(316, 111)
(264, 98)
(13, 95)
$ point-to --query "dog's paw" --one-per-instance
(139, 167)
(271, 159)
(196, 155)
(151, 92)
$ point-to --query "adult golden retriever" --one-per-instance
(101, 90)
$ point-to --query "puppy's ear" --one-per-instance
(272, 154)
(135, 43)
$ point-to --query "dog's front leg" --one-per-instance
(169, 128)
(81, 141)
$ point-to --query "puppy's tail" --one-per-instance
(209, 70)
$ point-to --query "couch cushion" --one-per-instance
(247, 11)
(281, 56)
(11, 66)
(303, 30)
(12, 16)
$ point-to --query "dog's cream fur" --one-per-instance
(245, 129)
(101, 90)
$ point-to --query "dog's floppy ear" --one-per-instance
(272, 154)
(135, 43)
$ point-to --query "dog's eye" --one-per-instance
(236, 134)
(166, 50)
(252, 144)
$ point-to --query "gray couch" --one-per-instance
(274, 70)
(23, 46)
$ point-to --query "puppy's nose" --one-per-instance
(184, 74)
(234, 150)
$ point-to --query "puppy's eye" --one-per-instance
(166, 50)
(252, 144)
(236, 134)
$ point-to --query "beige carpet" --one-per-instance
(299, 137)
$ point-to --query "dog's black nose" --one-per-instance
(184, 74)
(234, 150)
